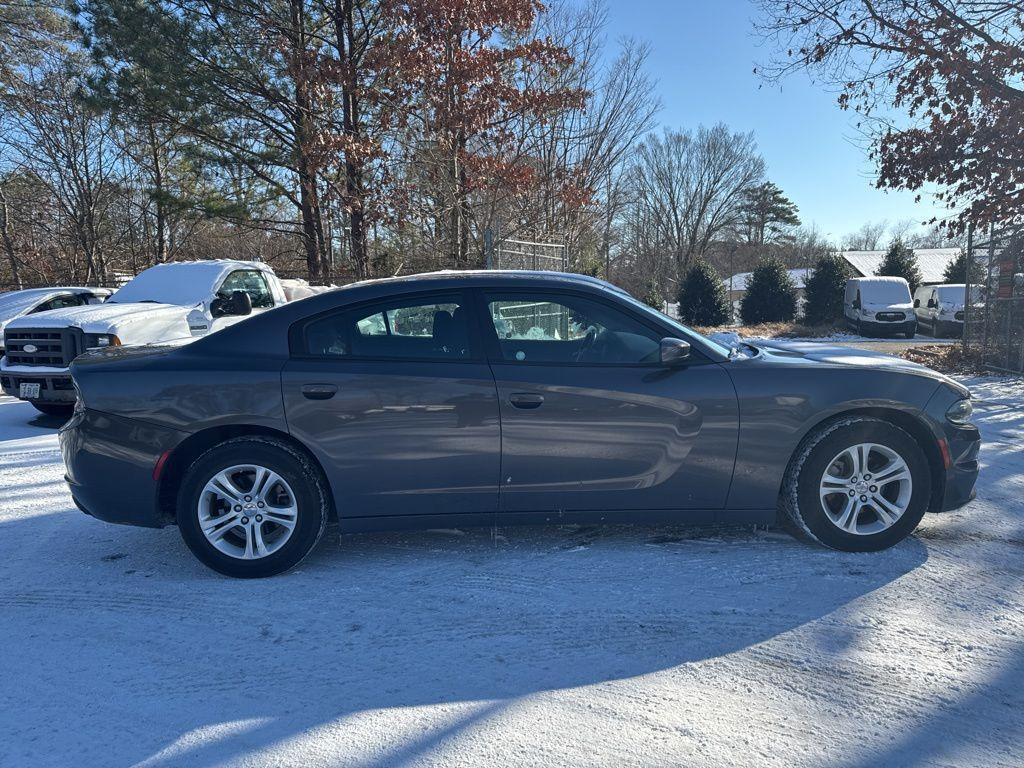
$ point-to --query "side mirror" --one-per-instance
(917, 303)
(674, 352)
(932, 304)
(238, 304)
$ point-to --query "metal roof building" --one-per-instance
(931, 261)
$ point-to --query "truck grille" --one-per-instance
(53, 347)
(890, 317)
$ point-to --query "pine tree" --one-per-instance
(767, 213)
(702, 297)
(653, 297)
(824, 290)
(956, 270)
(900, 261)
(770, 295)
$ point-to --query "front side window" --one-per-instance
(434, 328)
(58, 302)
(569, 329)
(250, 281)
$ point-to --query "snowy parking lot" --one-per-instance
(536, 646)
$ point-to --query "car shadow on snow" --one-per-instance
(380, 621)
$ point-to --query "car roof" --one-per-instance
(503, 277)
(252, 334)
(875, 279)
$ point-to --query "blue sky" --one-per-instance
(703, 58)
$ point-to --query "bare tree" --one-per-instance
(67, 148)
(689, 188)
(869, 237)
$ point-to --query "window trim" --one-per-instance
(296, 332)
(493, 343)
(263, 277)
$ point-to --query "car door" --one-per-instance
(933, 310)
(590, 419)
(921, 306)
(397, 400)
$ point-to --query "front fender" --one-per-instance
(782, 404)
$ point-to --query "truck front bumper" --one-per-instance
(53, 387)
(881, 328)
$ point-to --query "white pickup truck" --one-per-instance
(168, 302)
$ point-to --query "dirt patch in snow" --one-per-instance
(776, 331)
(950, 359)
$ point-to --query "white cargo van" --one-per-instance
(940, 308)
(879, 305)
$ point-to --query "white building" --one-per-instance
(931, 261)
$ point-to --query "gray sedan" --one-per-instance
(495, 398)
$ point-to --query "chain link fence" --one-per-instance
(525, 254)
(994, 309)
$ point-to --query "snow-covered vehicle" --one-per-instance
(30, 301)
(165, 303)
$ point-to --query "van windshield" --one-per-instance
(885, 293)
(951, 293)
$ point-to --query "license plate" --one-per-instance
(29, 391)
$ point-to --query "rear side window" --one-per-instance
(426, 328)
(252, 282)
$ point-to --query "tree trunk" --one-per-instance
(308, 213)
(160, 255)
(5, 235)
(309, 203)
(354, 195)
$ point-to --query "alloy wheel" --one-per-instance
(866, 489)
(247, 511)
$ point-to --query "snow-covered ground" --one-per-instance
(548, 646)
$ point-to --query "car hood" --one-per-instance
(132, 323)
(850, 357)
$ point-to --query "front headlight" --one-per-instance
(100, 340)
(960, 412)
(865, 313)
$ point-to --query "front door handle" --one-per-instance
(526, 399)
(319, 391)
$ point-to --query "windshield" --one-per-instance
(885, 292)
(684, 333)
(951, 294)
(185, 284)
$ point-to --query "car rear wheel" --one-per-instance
(860, 484)
(62, 410)
(252, 507)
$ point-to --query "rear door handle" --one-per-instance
(526, 399)
(319, 391)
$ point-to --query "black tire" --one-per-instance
(911, 333)
(295, 468)
(63, 410)
(800, 505)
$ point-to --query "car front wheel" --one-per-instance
(860, 484)
(252, 507)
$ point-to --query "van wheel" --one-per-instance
(859, 484)
(252, 507)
